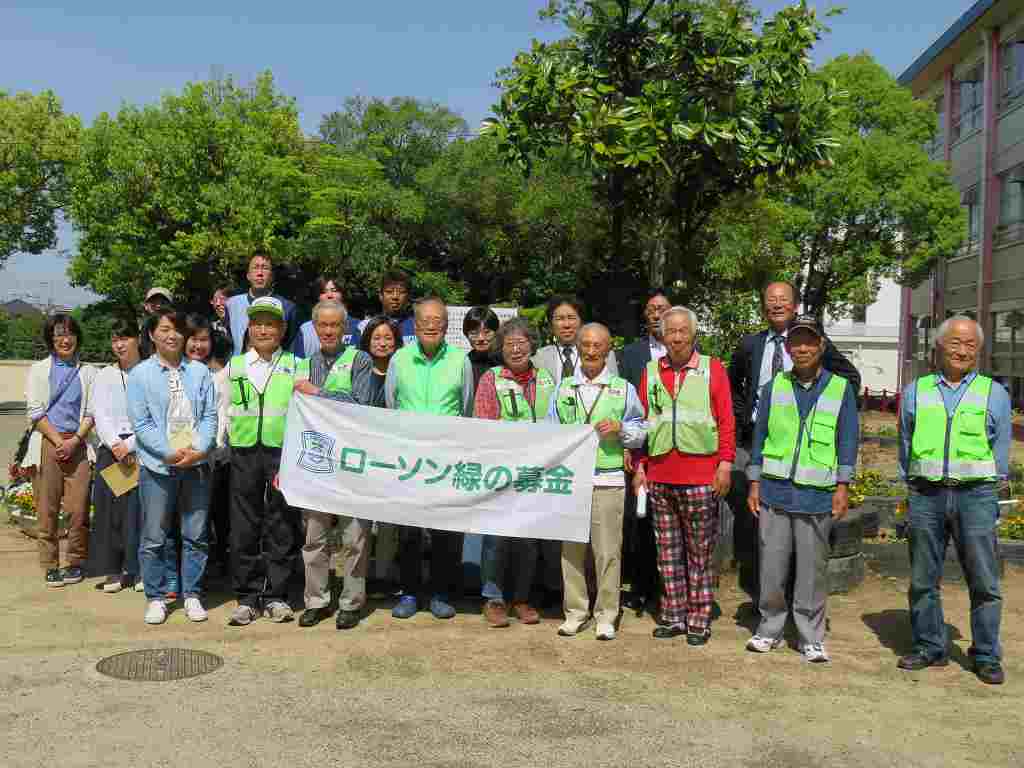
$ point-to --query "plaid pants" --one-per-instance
(686, 530)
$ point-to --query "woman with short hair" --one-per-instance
(62, 446)
(172, 403)
(479, 326)
(381, 338)
(114, 550)
(514, 390)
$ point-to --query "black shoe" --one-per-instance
(667, 633)
(990, 672)
(636, 603)
(698, 638)
(54, 578)
(915, 661)
(346, 619)
(313, 616)
(71, 575)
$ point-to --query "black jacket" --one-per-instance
(633, 359)
(745, 370)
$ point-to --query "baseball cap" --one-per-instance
(158, 291)
(267, 305)
(810, 322)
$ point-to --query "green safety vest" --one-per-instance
(951, 445)
(610, 404)
(339, 378)
(431, 385)
(512, 399)
(688, 426)
(260, 418)
(803, 451)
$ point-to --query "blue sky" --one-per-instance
(97, 55)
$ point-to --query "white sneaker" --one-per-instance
(815, 653)
(139, 586)
(571, 628)
(194, 609)
(762, 644)
(605, 631)
(156, 612)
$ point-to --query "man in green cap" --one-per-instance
(263, 531)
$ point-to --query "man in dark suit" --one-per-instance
(758, 357)
(639, 557)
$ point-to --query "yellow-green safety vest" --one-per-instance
(259, 418)
(803, 451)
(684, 422)
(339, 378)
(951, 445)
(429, 385)
(610, 404)
(512, 399)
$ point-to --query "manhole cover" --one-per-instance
(159, 664)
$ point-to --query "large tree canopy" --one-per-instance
(883, 209)
(674, 106)
(182, 193)
(37, 142)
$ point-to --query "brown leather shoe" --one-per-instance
(527, 613)
(495, 614)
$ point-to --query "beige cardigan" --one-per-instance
(37, 398)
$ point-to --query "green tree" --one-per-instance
(182, 193)
(675, 106)
(403, 134)
(37, 142)
(882, 209)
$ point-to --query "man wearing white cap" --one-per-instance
(263, 533)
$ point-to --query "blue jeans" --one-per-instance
(969, 514)
(492, 568)
(158, 496)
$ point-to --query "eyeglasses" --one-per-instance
(430, 325)
(479, 332)
(515, 346)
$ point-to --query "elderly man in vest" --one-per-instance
(955, 431)
(338, 372)
(691, 443)
(429, 376)
(610, 403)
(802, 459)
(263, 533)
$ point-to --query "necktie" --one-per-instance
(567, 365)
(777, 356)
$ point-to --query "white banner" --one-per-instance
(472, 475)
(456, 315)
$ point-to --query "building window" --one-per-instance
(970, 200)
(935, 147)
(1011, 200)
(1012, 59)
(1007, 342)
(968, 102)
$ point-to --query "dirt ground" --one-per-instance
(431, 693)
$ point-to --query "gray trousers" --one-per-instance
(354, 557)
(781, 535)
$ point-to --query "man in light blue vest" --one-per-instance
(610, 403)
(236, 318)
(802, 459)
(429, 376)
(955, 431)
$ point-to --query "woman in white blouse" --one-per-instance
(115, 528)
